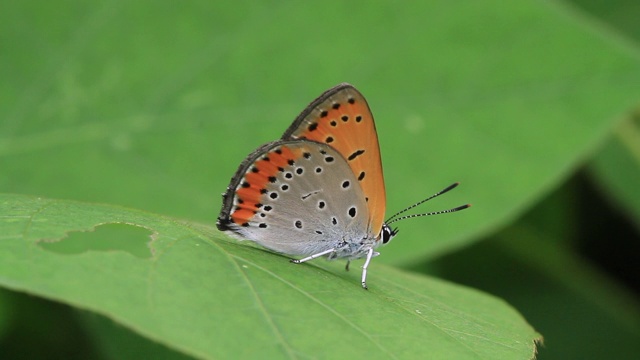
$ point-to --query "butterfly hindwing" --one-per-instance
(341, 118)
(295, 197)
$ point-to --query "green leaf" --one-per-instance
(215, 298)
(617, 168)
(543, 270)
(582, 313)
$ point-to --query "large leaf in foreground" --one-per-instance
(210, 297)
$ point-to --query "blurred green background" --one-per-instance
(532, 105)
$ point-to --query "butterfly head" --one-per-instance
(387, 233)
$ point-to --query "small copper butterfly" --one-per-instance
(319, 190)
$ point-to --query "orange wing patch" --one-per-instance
(253, 185)
(342, 119)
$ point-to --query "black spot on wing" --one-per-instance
(355, 154)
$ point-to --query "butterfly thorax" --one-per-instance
(357, 248)
(354, 249)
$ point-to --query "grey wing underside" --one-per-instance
(319, 205)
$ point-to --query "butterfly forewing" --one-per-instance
(341, 118)
(295, 197)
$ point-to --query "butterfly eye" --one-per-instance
(387, 233)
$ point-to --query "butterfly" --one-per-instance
(318, 190)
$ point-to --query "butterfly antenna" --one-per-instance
(461, 207)
(447, 189)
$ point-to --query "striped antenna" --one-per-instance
(395, 217)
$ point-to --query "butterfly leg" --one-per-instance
(296, 261)
(370, 254)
